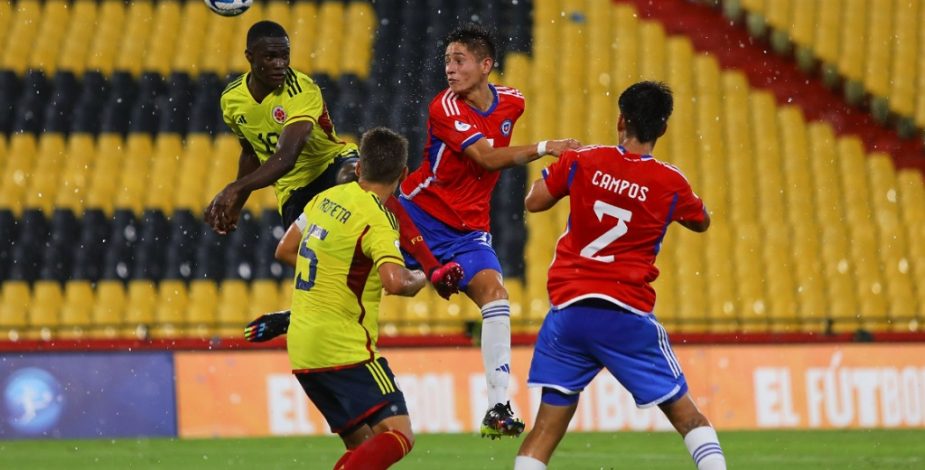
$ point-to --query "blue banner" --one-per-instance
(87, 395)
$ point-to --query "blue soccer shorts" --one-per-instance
(472, 250)
(577, 341)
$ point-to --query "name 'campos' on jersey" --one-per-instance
(619, 186)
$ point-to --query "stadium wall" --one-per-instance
(251, 393)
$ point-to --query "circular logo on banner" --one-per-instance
(506, 127)
(32, 401)
(279, 114)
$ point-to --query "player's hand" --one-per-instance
(223, 212)
(556, 147)
(446, 279)
(267, 326)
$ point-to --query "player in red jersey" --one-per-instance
(621, 202)
(468, 141)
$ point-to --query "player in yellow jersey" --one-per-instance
(288, 140)
(286, 134)
(346, 251)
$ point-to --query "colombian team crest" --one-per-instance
(506, 127)
(279, 114)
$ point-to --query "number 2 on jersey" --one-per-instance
(309, 254)
(623, 216)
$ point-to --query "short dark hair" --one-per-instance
(478, 39)
(646, 107)
(383, 155)
(264, 29)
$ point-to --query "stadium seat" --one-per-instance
(75, 174)
(278, 11)
(22, 34)
(104, 48)
(14, 305)
(750, 282)
(911, 197)
(264, 297)
(331, 27)
(691, 267)
(108, 312)
(779, 269)
(45, 176)
(76, 310)
(720, 283)
(170, 311)
(652, 59)
(809, 278)
(188, 56)
(45, 310)
(159, 193)
(194, 170)
(141, 303)
(392, 310)
(54, 20)
(135, 38)
(162, 43)
(6, 16)
(108, 163)
(303, 32)
(73, 51)
(233, 310)
(20, 159)
(626, 53)
(879, 46)
(419, 313)
(89, 253)
(148, 258)
(826, 179)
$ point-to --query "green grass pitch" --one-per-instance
(789, 450)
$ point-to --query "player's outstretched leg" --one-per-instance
(487, 290)
(267, 326)
(699, 436)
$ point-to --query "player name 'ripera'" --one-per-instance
(620, 186)
(335, 210)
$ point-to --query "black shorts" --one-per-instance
(294, 206)
(349, 398)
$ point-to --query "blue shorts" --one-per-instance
(576, 342)
(472, 250)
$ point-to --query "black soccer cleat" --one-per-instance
(500, 421)
(267, 326)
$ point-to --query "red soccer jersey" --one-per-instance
(448, 185)
(621, 205)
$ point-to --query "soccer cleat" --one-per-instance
(446, 279)
(267, 326)
(500, 421)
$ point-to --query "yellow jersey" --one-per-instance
(348, 234)
(298, 99)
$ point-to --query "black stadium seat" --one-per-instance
(149, 259)
(185, 230)
(95, 237)
(205, 114)
(8, 237)
(115, 115)
(241, 250)
(31, 103)
(124, 235)
(58, 110)
(90, 103)
(174, 105)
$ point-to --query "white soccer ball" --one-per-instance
(229, 7)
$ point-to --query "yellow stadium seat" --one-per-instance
(803, 22)
(626, 54)
(45, 310)
(103, 181)
(75, 175)
(233, 310)
(220, 44)
(809, 278)
(879, 45)
(189, 54)
(420, 312)
(855, 188)
(109, 310)
(872, 295)
(853, 39)
(77, 309)
(720, 281)
(448, 317)
(303, 34)
(883, 188)
(202, 308)
(104, 48)
(906, 47)
(330, 27)
(45, 49)
(515, 293)
(6, 17)
(361, 30)
(826, 179)
(750, 278)
(911, 197)
(20, 160)
(21, 35)
(161, 46)
(572, 56)
(782, 302)
(138, 31)
(73, 52)
(45, 182)
(652, 50)
(264, 297)
(392, 314)
(14, 305)
(140, 306)
(691, 272)
(194, 170)
(600, 35)
(159, 193)
(170, 309)
(828, 30)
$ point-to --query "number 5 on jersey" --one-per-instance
(623, 216)
(308, 254)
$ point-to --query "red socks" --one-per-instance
(343, 460)
(378, 453)
(410, 238)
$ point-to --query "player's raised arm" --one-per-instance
(491, 158)
(290, 144)
(539, 198)
(398, 280)
(698, 226)
(287, 250)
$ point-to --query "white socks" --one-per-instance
(528, 463)
(496, 349)
(703, 445)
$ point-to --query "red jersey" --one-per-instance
(621, 205)
(448, 185)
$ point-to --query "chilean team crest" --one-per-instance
(506, 127)
(279, 114)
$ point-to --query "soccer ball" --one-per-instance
(229, 7)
